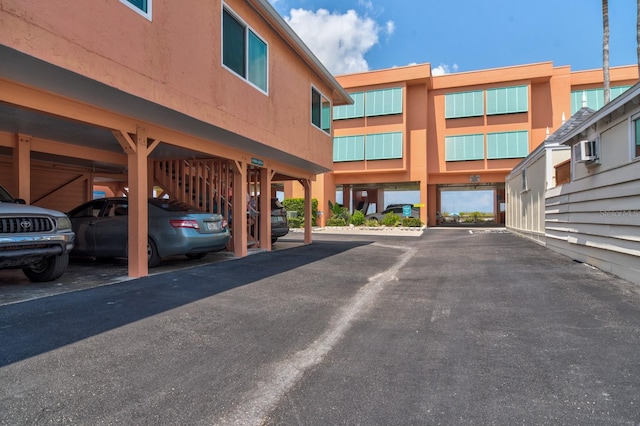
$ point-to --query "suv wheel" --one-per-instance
(48, 269)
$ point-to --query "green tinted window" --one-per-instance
(384, 146)
(355, 110)
(464, 104)
(508, 145)
(257, 61)
(507, 100)
(594, 97)
(383, 102)
(464, 147)
(320, 111)
(243, 51)
(348, 148)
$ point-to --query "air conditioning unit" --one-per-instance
(586, 151)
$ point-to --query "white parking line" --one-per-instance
(255, 407)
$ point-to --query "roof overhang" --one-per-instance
(339, 95)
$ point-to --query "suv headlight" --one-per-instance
(64, 223)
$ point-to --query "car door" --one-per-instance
(83, 220)
(110, 230)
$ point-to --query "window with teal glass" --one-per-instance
(464, 104)
(383, 102)
(143, 7)
(507, 100)
(243, 51)
(383, 146)
(594, 97)
(355, 110)
(348, 148)
(464, 147)
(320, 111)
(507, 145)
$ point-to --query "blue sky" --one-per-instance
(461, 35)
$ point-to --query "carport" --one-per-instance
(61, 133)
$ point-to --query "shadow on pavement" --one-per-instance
(41, 325)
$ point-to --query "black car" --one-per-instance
(279, 224)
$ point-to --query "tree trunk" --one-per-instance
(605, 50)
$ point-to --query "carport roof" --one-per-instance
(27, 70)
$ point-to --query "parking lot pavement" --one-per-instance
(88, 273)
(451, 327)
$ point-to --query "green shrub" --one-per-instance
(297, 205)
(336, 221)
(339, 212)
(411, 222)
(295, 222)
(372, 223)
(357, 218)
(391, 219)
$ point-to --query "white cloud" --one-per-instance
(367, 4)
(391, 27)
(340, 41)
(443, 69)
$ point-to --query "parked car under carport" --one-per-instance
(175, 228)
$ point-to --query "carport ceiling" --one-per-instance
(32, 72)
(49, 127)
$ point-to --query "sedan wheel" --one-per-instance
(153, 258)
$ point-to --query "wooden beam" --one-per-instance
(22, 167)
(84, 176)
(125, 141)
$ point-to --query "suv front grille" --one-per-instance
(14, 225)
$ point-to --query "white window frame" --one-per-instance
(140, 12)
(247, 28)
(632, 137)
(330, 109)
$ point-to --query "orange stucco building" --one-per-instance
(206, 102)
(408, 129)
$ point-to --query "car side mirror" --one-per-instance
(20, 201)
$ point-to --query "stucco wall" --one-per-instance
(175, 60)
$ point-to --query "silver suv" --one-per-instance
(33, 239)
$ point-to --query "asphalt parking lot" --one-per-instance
(85, 273)
(451, 327)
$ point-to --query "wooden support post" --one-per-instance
(308, 211)
(265, 209)
(138, 219)
(239, 211)
(22, 167)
